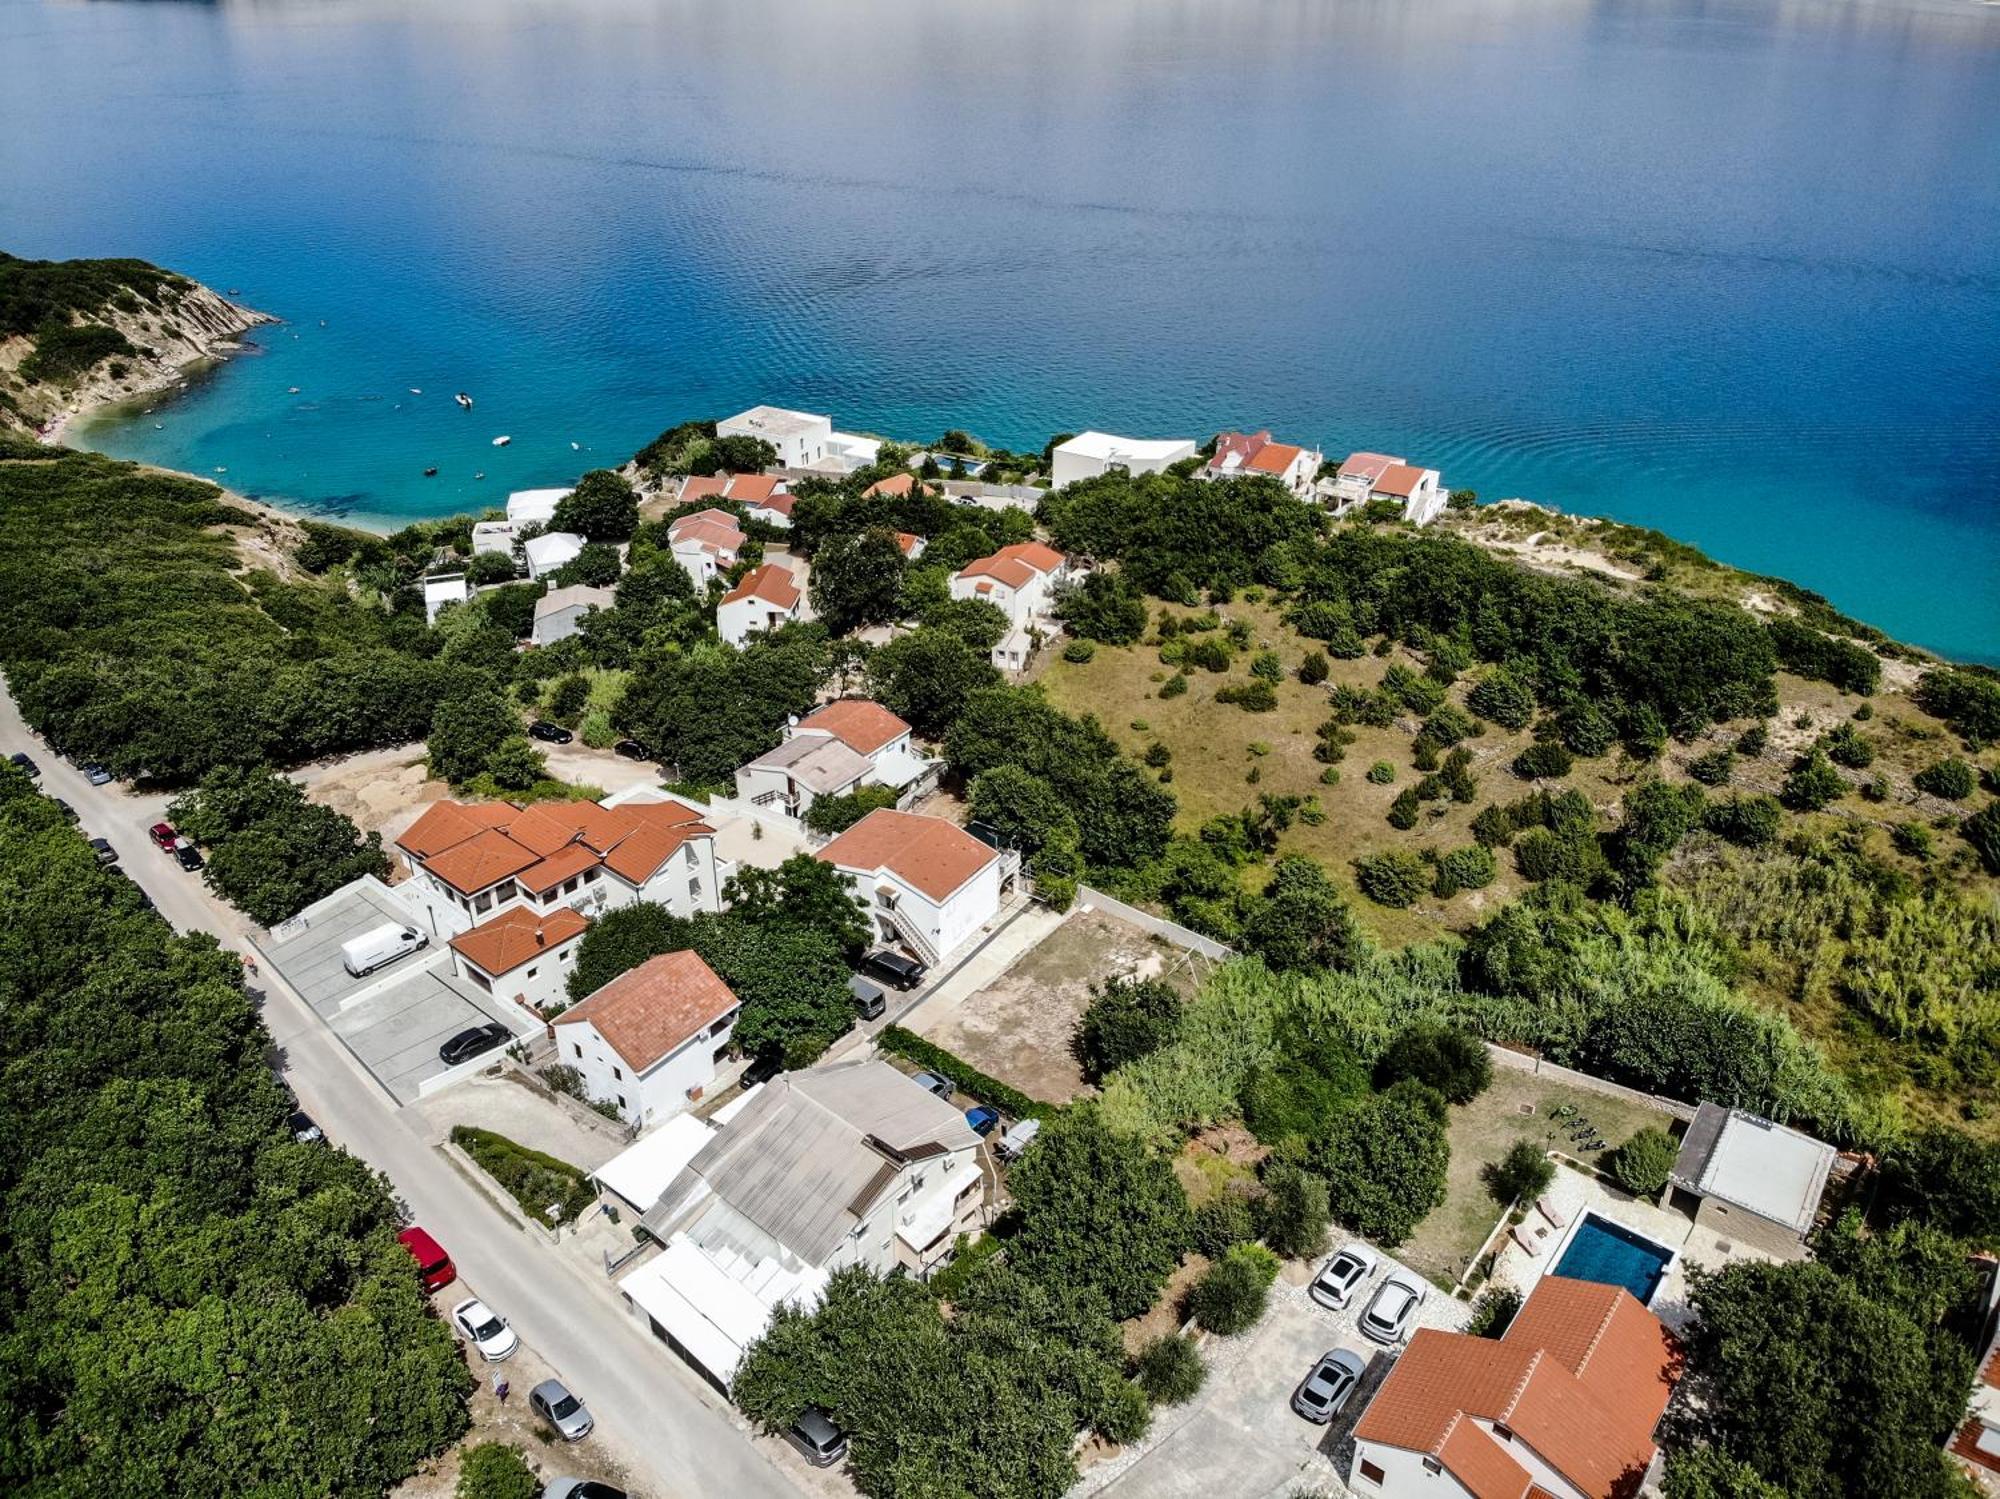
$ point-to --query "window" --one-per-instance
(619, 1074)
(570, 884)
(577, 1048)
(590, 876)
(694, 890)
(484, 903)
(621, 1100)
(532, 972)
(1432, 1465)
(480, 979)
(1503, 1431)
(1370, 1471)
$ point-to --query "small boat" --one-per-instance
(430, 473)
(159, 426)
(322, 322)
(464, 400)
(576, 447)
(291, 390)
(480, 475)
(220, 470)
(502, 441)
(414, 391)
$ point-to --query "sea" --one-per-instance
(1730, 268)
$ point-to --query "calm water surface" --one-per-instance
(1728, 268)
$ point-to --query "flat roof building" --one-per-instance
(1752, 1180)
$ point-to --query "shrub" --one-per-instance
(1381, 773)
(1174, 685)
(1951, 779)
(1171, 1370)
(1224, 1220)
(1454, 1062)
(1641, 1165)
(1494, 1312)
(1845, 746)
(1254, 696)
(1812, 784)
(494, 1470)
(1232, 1293)
(1448, 725)
(963, 1075)
(1752, 740)
(1394, 879)
(1468, 868)
(1543, 762)
(1314, 669)
(1403, 811)
(1585, 731)
(1079, 651)
(567, 702)
(1503, 700)
(1751, 821)
(1982, 831)
(1157, 754)
(1912, 838)
(1125, 1020)
(1714, 768)
(1208, 654)
(1266, 667)
(1521, 1175)
(1292, 1214)
(549, 1190)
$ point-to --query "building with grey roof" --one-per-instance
(1750, 1180)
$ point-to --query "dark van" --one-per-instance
(434, 1266)
(823, 1443)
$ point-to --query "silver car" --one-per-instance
(1328, 1386)
(552, 1401)
(1340, 1277)
(1394, 1307)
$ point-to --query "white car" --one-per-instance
(483, 1328)
(1394, 1307)
(1340, 1277)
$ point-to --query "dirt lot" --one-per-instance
(1018, 1027)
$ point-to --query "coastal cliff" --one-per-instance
(76, 335)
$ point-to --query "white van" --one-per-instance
(385, 944)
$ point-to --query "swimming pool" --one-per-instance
(1613, 1255)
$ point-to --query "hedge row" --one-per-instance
(534, 1180)
(967, 1078)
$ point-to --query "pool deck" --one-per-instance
(1572, 1194)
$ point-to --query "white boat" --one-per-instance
(291, 390)
(501, 442)
(464, 400)
(414, 391)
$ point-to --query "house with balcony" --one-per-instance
(470, 861)
(1089, 454)
(834, 751)
(1242, 454)
(649, 1041)
(521, 954)
(802, 439)
(764, 599)
(1020, 581)
(763, 497)
(1377, 476)
(705, 543)
(847, 1163)
(924, 884)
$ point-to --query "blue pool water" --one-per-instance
(1611, 1255)
(1726, 267)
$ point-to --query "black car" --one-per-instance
(25, 763)
(64, 807)
(894, 968)
(631, 749)
(106, 854)
(188, 855)
(549, 733)
(763, 1067)
(303, 1129)
(96, 774)
(468, 1044)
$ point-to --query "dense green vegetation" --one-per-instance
(54, 302)
(549, 1190)
(271, 852)
(193, 1302)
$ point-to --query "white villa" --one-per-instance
(705, 543)
(521, 954)
(834, 751)
(1377, 476)
(926, 884)
(765, 598)
(441, 589)
(1020, 581)
(802, 440)
(525, 507)
(1089, 454)
(649, 1040)
(1238, 454)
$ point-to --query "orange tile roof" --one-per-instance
(926, 853)
(1274, 457)
(640, 856)
(1366, 465)
(752, 489)
(702, 487)
(1400, 479)
(1004, 569)
(713, 535)
(655, 1008)
(482, 860)
(548, 826)
(516, 935)
(1481, 1463)
(718, 517)
(862, 725)
(782, 503)
(565, 863)
(771, 583)
(909, 541)
(447, 823)
(1042, 558)
(896, 485)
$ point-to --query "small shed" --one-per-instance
(1751, 1181)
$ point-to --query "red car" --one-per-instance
(164, 838)
(434, 1266)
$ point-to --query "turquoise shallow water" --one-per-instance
(1730, 269)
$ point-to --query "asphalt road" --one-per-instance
(669, 1432)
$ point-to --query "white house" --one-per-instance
(1020, 581)
(847, 1163)
(649, 1040)
(534, 507)
(705, 543)
(802, 440)
(442, 589)
(493, 536)
(550, 551)
(1089, 454)
(1563, 1405)
(559, 611)
(925, 884)
(470, 861)
(834, 751)
(1378, 476)
(521, 954)
(1238, 454)
(763, 599)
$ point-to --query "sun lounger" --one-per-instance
(1556, 1216)
(1526, 1241)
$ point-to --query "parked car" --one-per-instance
(581, 1488)
(25, 763)
(1328, 1386)
(868, 998)
(434, 1266)
(187, 855)
(1394, 1307)
(552, 1401)
(894, 968)
(303, 1129)
(631, 749)
(64, 807)
(982, 1121)
(930, 1082)
(1340, 1277)
(96, 774)
(470, 1043)
(380, 946)
(163, 836)
(485, 1330)
(763, 1067)
(549, 733)
(814, 1434)
(1020, 1135)
(106, 854)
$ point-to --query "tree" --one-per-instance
(489, 568)
(1232, 1294)
(272, 852)
(1951, 779)
(571, 696)
(1642, 1164)
(1385, 1162)
(742, 455)
(516, 764)
(1945, 1178)
(705, 711)
(928, 676)
(1521, 1175)
(1502, 699)
(858, 580)
(1292, 1214)
(979, 624)
(1104, 606)
(602, 507)
(1125, 1020)
(836, 814)
(1171, 1370)
(1812, 784)
(596, 566)
(494, 1470)
(1454, 1062)
(466, 730)
(1098, 1210)
(1547, 761)
(803, 890)
(792, 979)
(1021, 807)
(1301, 921)
(1395, 878)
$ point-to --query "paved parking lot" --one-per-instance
(395, 1018)
(1239, 1435)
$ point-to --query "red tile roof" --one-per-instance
(712, 535)
(771, 583)
(702, 487)
(751, 489)
(481, 860)
(1400, 480)
(926, 853)
(447, 823)
(781, 503)
(1366, 465)
(566, 863)
(656, 1008)
(863, 726)
(1274, 457)
(547, 843)
(1001, 569)
(1254, 452)
(517, 934)
(1042, 558)
(1481, 1464)
(896, 485)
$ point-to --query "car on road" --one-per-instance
(1393, 1307)
(64, 807)
(581, 1488)
(187, 855)
(982, 1121)
(631, 749)
(931, 1083)
(549, 733)
(1340, 1277)
(164, 837)
(552, 1401)
(468, 1044)
(1328, 1385)
(96, 774)
(434, 1267)
(893, 968)
(814, 1434)
(25, 763)
(485, 1330)
(106, 854)
(303, 1129)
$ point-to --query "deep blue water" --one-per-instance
(1611, 1255)
(1728, 268)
